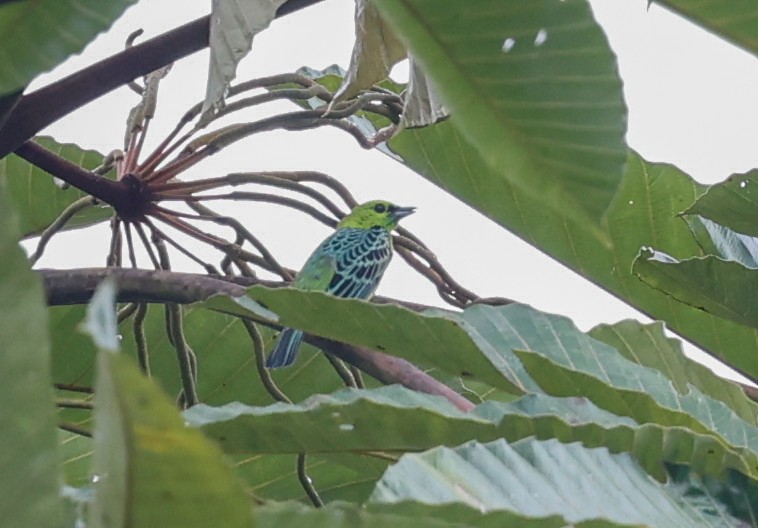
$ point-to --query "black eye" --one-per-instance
(380, 208)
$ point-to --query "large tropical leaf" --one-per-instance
(36, 35)
(151, 470)
(375, 51)
(36, 196)
(722, 242)
(649, 346)
(731, 203)
(226, 369)
(234, 23)
(692, 410)
(644, 213)
(408, 515)
(488, 336)
(535, 89)
(724, 288)
(544, 478)
(396, 419)
(729, 19)
(29, 458)
(389, 328)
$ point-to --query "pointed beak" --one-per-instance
(402, 212)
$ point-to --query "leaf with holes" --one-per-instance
(534, 88)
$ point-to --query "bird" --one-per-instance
(349, 263)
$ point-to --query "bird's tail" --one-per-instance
(285, 350)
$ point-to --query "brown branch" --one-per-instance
(749, 390)
(38, 109)
(390, 369)
(104, 189)
(77, 287)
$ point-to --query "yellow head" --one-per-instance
(376, 213)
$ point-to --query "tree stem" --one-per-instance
(78, 286)
(35, 111)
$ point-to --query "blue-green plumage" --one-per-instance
(349, 264)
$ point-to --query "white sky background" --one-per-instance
(691, 98)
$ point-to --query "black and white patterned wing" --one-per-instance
(361, 257)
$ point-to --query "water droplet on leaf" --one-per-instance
(541, 38)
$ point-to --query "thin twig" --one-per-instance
(73, 388)
(136, 88)
(130, 244)
(274, 179)
(143, 357)
(68, 403)
(460, 292)
(430, 274)
(343, 372)
(260, 362)
(180, 164)
(307, 483)
(126, 312)
(273, 80)
(38, 109)
(184, 354)
(244, 234)
(148, 246)
(209, 268)
(114, 251)
(293, 94)
(59, 223)
(71, 428)
(258, 197)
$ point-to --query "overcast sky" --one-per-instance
(691, 100)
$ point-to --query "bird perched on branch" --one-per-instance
(349, 263)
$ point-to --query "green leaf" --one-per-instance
(583, 366)
(29, 458)
(547, 478)
(148, 465)
(338, 516)
(639, 394)
(732, 203)
(535, 90)
(647, 345)
(720, 287)
(397, 419)
(407, 515)
(375, 51)
(722, 242)
(729, 20)
(644, 213)
(395, 330)
(37, 35)
(233, 25)
(404, 515)
(332, 78)
(38, 199)
(226, 373)
(479, 343)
